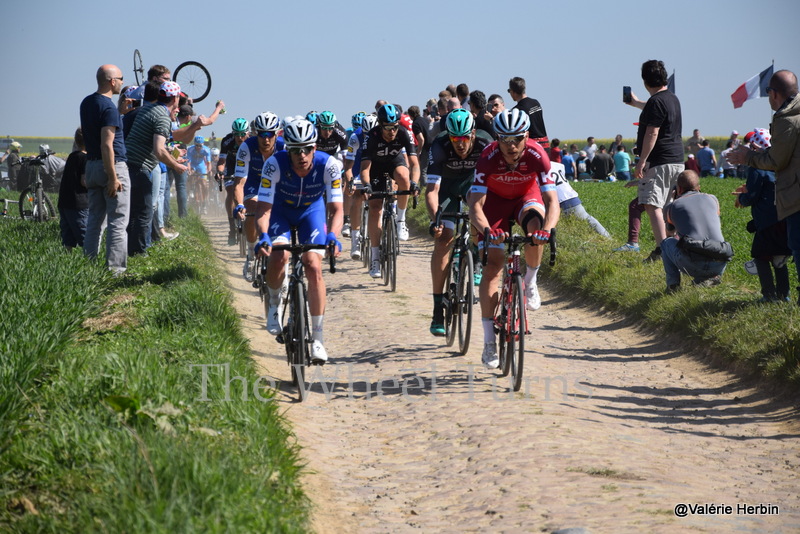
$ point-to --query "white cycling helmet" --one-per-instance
(215, 152)
(369, 122)
(300, 133)
(511, 122)
(267, 122)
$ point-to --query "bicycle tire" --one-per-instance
(28, 209)
(241, 239)
(466, 296)
(138, 67)
(450, 302)
(516, 331)
(391, 260)
(194, 80)
(385, 251)
(365, 247)
(300, 340)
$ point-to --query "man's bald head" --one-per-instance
(105, 76)
(453, 103)
(784, 82)
(688, 181)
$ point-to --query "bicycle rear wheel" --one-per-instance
(516, 332)
(29, 208)
(465, 297)
(242, 241)
(391, 261)
(365, 246)
(138, 67)
(300, 340)
(194, 80)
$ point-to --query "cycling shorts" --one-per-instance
(378, 169)
(499, 211)
(309, 220)
(229, 181)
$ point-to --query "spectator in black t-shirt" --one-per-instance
(531, 106)
(602, 164)
(73, 198)
(660, 148)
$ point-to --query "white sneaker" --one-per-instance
(247, 269)
(318, 352)
(402, 231)
(346, 230)
(274, 326)
(355, 246)
(375, 270)
(490, 358)
(532, 299)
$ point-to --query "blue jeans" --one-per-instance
(677, 261)
(141, 211)
(180, 191)
(113, 211)
(73, 226)
(624, 176)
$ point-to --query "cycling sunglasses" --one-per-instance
(326, 128)
(511, 139)
(240, 134)
(301, 150)
(390, 127)
(267, 135)
(460, 138)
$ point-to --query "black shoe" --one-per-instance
(674, 288)
(654, 256)
(708, 282)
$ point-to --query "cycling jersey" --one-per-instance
(380, 151)
(198, 155)
(333, 144)
(281, 187)
(354, 148)
(453, 174)
(531, 172)
(407, 123)
(227, 157)
(250, 163)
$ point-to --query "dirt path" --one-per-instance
(614, 430)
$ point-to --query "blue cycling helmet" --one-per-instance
(388, 114)
(460, 122)
(326, 118)
(199, 140)
(311, 117)
(356, 119)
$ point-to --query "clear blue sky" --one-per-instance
(291, 57)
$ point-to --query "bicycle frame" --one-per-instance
(504, 302)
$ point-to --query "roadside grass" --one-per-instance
(757, 339)
(109, 421)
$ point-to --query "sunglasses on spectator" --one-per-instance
(301, 150)
(511, 139)
(460, 138)
(389, 127)
(267, 135)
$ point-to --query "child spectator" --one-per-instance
(770, 248)
(73, 198)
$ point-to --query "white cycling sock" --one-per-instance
(401, 215)
(375, 252)
(274, 296)
(316, 327)
(530, 276)
(488, 330)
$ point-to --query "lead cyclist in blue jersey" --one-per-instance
(247, 175)
(294, 186)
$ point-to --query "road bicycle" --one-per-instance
(365, 246)
(390, 243)
(241, 239)
(296, 333)
(510, 315)
(34, 204)
(192, 76)
(459, 295)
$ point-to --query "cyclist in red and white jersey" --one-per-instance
(512, 181)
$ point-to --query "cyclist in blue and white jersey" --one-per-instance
(226, 164)
(294, 186)
(249, 163)
(352, 178)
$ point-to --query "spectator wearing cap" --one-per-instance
(14, 162)
(728, 168)
(146, 146)
(691, 164)
(770, 249)
(107, 179)
(783, 156)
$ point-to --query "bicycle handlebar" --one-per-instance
(306, 247)
(517, 239)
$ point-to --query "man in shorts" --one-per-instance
(660, 148)
(512, 181)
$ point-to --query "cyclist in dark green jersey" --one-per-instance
(451, 168)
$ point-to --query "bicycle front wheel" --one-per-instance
(242, 241)
(465, 298)
(30, 209)
(391, 263)
(300, 340)
(194, 80)
(450, 301)
(516, 332)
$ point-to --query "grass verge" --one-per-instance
(758, 339)
(104, 424)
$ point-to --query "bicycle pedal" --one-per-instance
(279, 339)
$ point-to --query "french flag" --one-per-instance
(755, 87)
